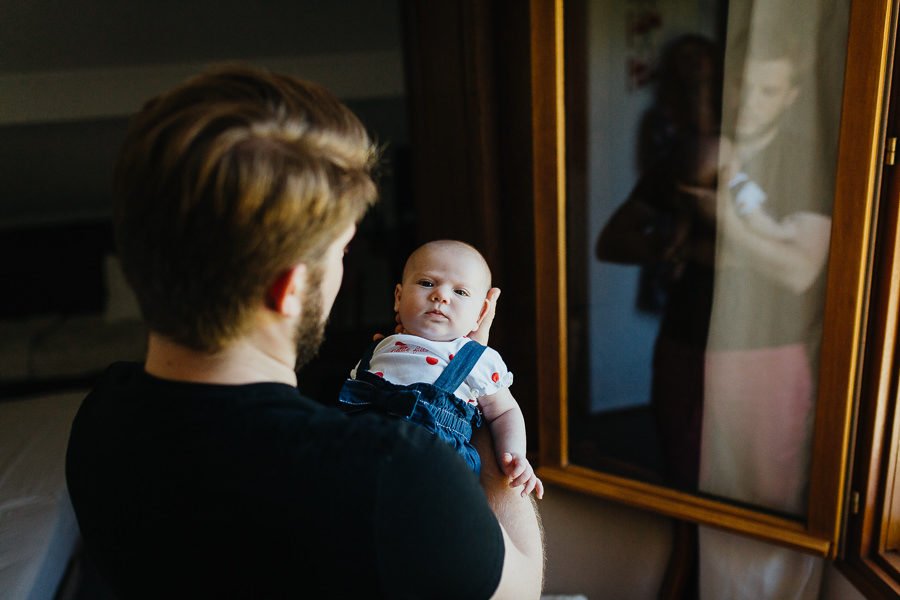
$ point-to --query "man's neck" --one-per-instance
(750, 146)
(240, 362)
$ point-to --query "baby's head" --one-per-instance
(443, 294)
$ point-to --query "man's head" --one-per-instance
(769, 88)
(223, 187)
(443, 295)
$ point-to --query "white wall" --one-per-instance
(600, 549)
(620, 364)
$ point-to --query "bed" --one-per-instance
(38, 531)
(54, 341)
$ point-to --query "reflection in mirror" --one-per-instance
(698, 222)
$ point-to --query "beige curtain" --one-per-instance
(782, 90)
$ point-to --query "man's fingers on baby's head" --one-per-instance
(539, 489)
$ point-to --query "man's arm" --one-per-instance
(793, 262)
(523, 564)
(523, 538)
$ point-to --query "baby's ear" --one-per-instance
(398, 289)
(484, 309)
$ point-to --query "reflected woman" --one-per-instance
(660, 228)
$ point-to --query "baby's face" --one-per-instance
(443, 294)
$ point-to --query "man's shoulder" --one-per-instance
(354, 442)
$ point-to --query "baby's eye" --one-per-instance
(462, 292)
(425, 283)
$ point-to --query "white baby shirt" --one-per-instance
(404, 359)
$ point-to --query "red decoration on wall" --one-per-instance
(643, 23)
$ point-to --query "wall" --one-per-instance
(605, 550)
(71, 73)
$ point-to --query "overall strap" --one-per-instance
(460, 367)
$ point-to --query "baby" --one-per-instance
(433, 374)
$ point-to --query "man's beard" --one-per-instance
(310, 332)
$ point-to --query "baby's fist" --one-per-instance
(521, 473)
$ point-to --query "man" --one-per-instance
(766, 319)
(203, 472)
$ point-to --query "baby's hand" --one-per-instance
(520, 471)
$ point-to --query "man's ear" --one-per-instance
(398, 290)
(792, 94)
(285, 294)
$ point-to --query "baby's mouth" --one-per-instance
(436, 313)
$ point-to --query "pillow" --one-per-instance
(121, 303)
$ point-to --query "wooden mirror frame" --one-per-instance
(860, 157)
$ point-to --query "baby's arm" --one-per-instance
(507, 425)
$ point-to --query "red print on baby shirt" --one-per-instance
(401, 347)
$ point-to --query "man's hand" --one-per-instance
(481, 334)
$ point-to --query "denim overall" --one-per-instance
(431, 405)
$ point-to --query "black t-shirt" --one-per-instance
(197, 490)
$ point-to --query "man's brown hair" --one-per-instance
(223, 184)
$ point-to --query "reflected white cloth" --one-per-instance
(757, 426)
(748, 196)
(734, 567)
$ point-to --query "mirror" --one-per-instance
(703, 308)
(697, 282)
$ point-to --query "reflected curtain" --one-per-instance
(781, 103)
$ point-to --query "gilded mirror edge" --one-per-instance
(863, 130)
(821, 531)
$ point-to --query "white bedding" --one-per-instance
(38, 531)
